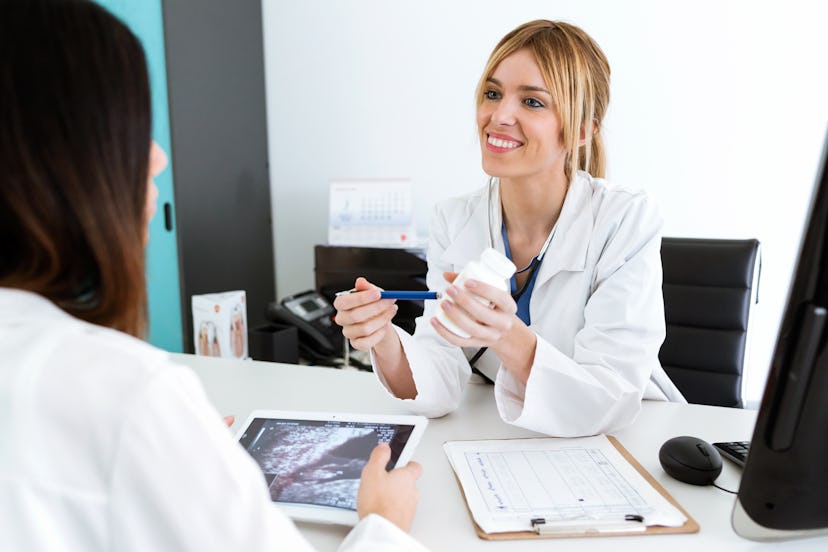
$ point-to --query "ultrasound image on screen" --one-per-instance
(318, 462)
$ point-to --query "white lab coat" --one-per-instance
(105, 444)
(596, 307)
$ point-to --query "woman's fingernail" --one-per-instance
(452, 291)
(470, 284)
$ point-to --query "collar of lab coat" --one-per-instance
(573, 232)
(18, 304)
(568, 248)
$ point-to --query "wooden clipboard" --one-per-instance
(690, 525)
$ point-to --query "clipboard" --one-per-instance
(689, 526)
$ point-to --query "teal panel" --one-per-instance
(145, 18)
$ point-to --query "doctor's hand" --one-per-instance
(483, 311)
(394, 494)
(364, 317)
(494, 324)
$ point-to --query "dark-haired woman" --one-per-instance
(104, 443)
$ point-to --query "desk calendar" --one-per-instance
(371, 212)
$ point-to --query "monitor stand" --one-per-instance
(745, 527)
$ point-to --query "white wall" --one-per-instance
(719, 109)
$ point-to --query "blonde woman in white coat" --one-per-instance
(573, 349)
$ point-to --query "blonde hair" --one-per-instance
(577, 74)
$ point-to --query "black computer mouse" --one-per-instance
(691, 460)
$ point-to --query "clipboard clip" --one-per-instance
(587, 525)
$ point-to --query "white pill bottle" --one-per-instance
(492, 268)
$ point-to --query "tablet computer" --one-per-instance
(312, 461)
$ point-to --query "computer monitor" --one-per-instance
(337, 267)
(784, 488)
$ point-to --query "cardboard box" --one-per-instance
(220, 324)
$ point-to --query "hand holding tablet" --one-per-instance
(313, 461)
(392, 494)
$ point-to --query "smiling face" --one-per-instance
(519, 129)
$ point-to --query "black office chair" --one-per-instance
(708, 290)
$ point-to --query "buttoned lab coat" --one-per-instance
(105, 444)
(596, 307)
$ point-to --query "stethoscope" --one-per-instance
(536, 261)
(532, 267)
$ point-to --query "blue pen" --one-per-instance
(410, 295)
(404, 295)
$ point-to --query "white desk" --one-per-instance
(442, 521)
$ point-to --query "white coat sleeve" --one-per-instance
(599, 388)
(181, 482)
(440, 369)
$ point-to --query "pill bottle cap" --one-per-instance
(498, 262)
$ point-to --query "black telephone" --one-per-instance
(312, 314)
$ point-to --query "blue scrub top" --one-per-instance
(526, 296)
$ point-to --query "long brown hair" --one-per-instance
(75, 131)
(577, 74)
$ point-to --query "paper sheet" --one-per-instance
(509, 482)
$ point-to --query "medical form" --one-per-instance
(512, 485)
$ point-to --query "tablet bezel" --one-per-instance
(330, 514)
